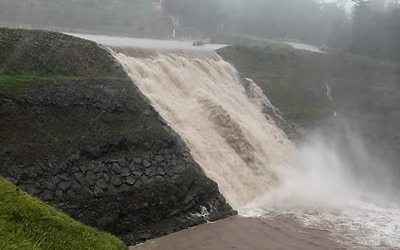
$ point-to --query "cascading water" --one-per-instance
(330, 98)
(229, 136)
(259, 171)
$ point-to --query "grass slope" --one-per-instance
(31, 56)
(27, 223)
(294, 80)
(276, 69)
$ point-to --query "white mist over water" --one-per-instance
(257, 168)
(329, 191)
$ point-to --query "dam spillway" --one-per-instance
(200, 97)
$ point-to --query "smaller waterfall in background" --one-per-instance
(330, 98)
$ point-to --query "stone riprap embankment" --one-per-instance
(84, 139)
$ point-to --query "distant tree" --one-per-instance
(375, 30)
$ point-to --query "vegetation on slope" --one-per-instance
(274, 68)
(41, 69)
(373, 31)
(29, 56)
(294, 80)
(27, 223)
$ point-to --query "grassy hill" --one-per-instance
(35, 56)
(295, 80)
(27, 223)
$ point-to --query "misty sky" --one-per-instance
(347, 3)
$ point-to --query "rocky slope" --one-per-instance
(79, 135)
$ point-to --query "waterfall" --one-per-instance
(257, 168)
(199, 96)
(330, 98)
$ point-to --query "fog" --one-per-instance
(342, 25)
(365, 28)
(348, 67)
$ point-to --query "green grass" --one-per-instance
(19, 83)
(27, 223)
(31, 56)
(15, 84)
(294, 80)
(282, 73)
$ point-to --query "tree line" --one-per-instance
(372, 28)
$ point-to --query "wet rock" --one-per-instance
(83, 169)
(112, 190)
(88, 192)
(63, 177)
(130, 180)
(144, 178)
(158, 178)
(71, 193)
(137, 174)
(97, 191)
(150, 172)
(125, 187)
(159, 158)
(49, 185)
(116, 181)
(137, 160)
(101, 167)
(99, 175)
(55, 180)
(132, 166)
(92, 167)
(146, 163)
(160, 171)
(90, 178)
(64, 186)
(48, 195)
(171, 163)
(138, 183)
(79, 177)
(102, 184)
(180, 169)
(31, 189)
(170, 172)
(59, 194)
(106, 178)
(122, 162)
(75, 186)
(116, 168)
(125, 172)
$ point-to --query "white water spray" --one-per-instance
(338, 186)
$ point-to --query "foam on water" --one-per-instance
(357, 224)
(323, 194)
